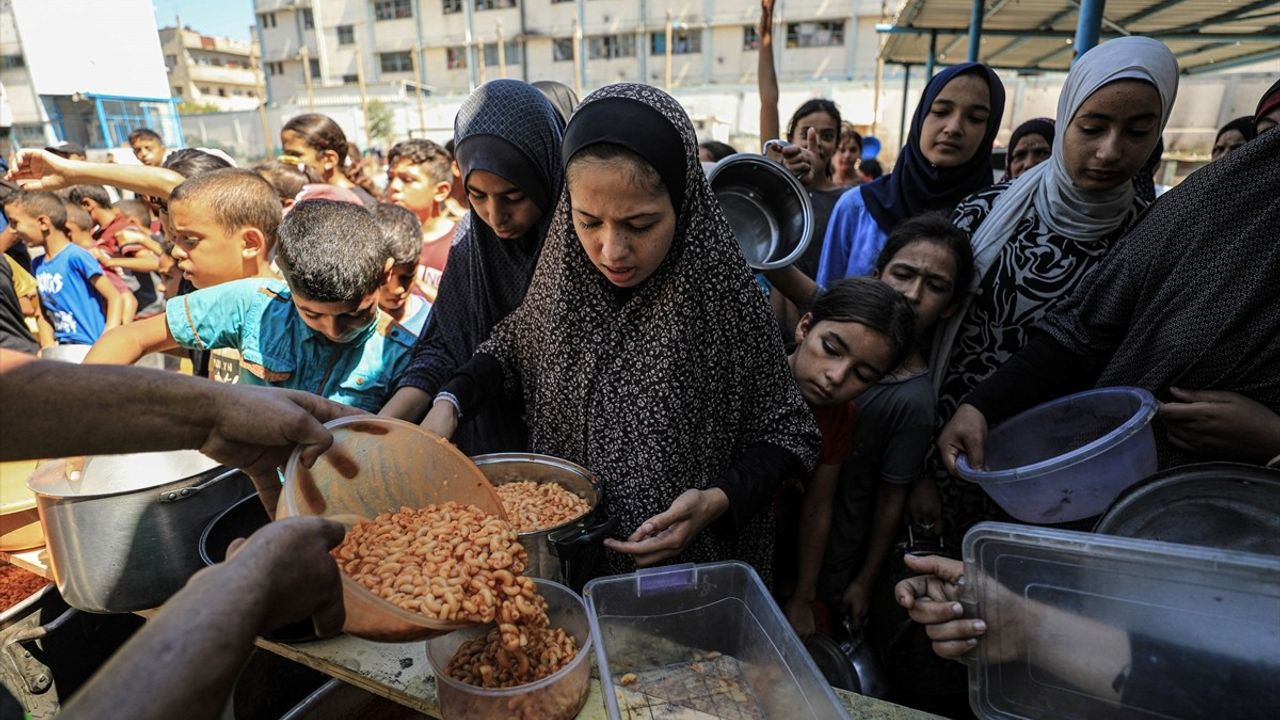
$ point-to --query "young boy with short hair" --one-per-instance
(80, 229)
(318, 331)
(19, 297)
(147, 146)
(95, 201)
(403, 234)
(419, 178)
(73, 289)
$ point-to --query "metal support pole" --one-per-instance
(306, 75)
(666, 85)
(502, 52)
(469, 38)
(975, 30)
(422, 109)
(577, 47)
(1088, 25)
(364, 98)
(906, 91)
(933, 56)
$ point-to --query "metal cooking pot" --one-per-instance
(123, 532)
(1219, 504)
(767, 208)
(567, 552)
(848, 661)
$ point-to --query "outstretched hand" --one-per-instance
(965, 433)
(1221, 424)
(36, 170)
(667, 534)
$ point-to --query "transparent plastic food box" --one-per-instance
(1098, 627)
(701, 642)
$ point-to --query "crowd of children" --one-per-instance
(565, 282)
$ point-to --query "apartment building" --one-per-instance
(91, 91)
(461, 43)
(210, 70)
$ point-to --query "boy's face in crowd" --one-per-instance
(30, 229)
(626, 230)
(394, 293)
(296, 146)
(957, 122)
(207, 254)
(410, 186)
(924, 272)
(835, 362)
(1112, 135)
(148, 151)
(339, 322)
(9, 235)
(80, 236)
(505, 208)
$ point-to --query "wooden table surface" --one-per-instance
(400, 672)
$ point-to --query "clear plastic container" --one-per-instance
(701, 639)
(558, 696)
(1097, 627)
(377, 465)
(1068, 459)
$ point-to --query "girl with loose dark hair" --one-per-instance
(318, 142)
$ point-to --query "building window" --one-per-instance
(393, 62)
(275, 68)
(392, 9)
(177, 90)
(815, 34)
(513, 54)
(750, 37)
(222, 92)
(348, 79)
(170, 61)
(683, 42)
(562, 49)
(604, 47)
(346, 35)
(314, 64)
(456, 58)
(308, 19)
(494, 4)
(204, 91)
(452, 6)
(267, 20)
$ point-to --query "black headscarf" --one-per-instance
(1270, 99)
(1242, 125)
(916, 186)
(562, 97)
(1035, 126)
(508, 128)
(1144, 183)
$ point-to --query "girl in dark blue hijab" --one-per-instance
(947, 157)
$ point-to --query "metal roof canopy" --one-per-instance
(1205, 35)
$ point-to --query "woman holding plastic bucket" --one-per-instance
(1188, 300)
(1037, 238)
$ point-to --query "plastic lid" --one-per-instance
(1095, 626)
(104, 475)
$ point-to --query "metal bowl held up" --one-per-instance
(767, 208)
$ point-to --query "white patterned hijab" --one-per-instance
(1066, 209)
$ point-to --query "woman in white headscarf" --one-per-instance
(1036, 238)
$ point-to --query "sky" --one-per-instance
(220, 18)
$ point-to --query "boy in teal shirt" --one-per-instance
(321, 330)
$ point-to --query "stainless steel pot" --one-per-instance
(767, 208)
(123, 532)
(564, 553)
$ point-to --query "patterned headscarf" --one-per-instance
(1065, 209)
(1191, 297)
(917, 185)
(661, 389)
(510, 129)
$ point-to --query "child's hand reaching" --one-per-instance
(40, 170)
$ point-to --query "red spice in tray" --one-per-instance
(17, 585)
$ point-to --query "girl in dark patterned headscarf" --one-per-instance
(644, 350)
(508, 132)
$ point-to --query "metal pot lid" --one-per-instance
(1218, 505)
(834, 665)
(104, 475)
